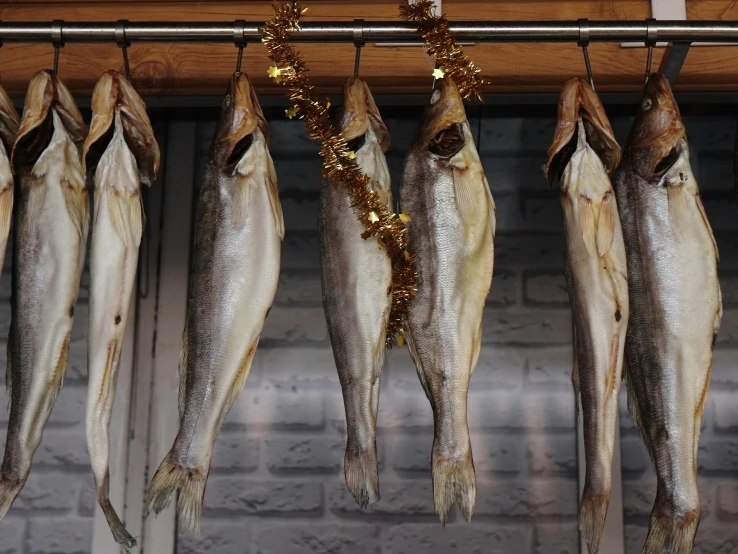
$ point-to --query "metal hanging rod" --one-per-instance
(374, 31)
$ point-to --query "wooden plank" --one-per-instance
(191, 69)
(159, 534)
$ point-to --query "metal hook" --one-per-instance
(57, 40)
(651, 38)
(584, 44)
(358, 43)
(239, 38)
(123, 44)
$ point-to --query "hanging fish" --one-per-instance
(233, 280)
(357, 289)
(583, 154)
(451, 231)
(123, 151)
(50, 238)
(675, 309)
(8, 129)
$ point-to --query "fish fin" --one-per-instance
(190, 482)
(136, 218)
(77, 207)
(492, 208)
(476, 349)
(120, 534)
(576, 383)
(592, 514)
(606, 224)
(701, 208)
(361, 474)
(415, 355)
(57, 379)
(454, 482)
(9, 366)
(9, 490)
(633, 407)
(115, 209)
(464, 193)
(587, 223)
(241, 202)
(6, 212)
(273, 191)
(183, 357)
(34, 206)
(671, 533)
(677, 209)
(240, 380)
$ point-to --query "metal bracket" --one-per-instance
(673, 60)
(584, 45)
(239, 38)
(358, 43)
(123, 44)
(57, 40)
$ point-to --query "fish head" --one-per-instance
(46, 94)
(113, 95)
(443, 137)
(9, 120)
(656, 139)
(580, 103)
(241, 123)
(361, 125)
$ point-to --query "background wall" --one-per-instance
(276, 485)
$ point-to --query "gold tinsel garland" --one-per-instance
(339, 162)
(440, 42)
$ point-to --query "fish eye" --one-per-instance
(646, 104)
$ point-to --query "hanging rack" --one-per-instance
(375, 31)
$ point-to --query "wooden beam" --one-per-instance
(192, 69)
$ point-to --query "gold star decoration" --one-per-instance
(438, 73)
(404, 217)
(373, 217)
(441, 43)
(351, 155)
(291, 111)
(274, 72)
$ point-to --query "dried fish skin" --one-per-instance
(233, 280)
(675, 309)
(51, 223)
(122, 148)
(356, 276)
(451, 232)
(583, 153)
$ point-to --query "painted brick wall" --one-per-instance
(276, 485)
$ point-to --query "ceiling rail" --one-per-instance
(373, 31)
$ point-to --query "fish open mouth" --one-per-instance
(448, 142)
(580, 104)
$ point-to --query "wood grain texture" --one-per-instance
(162, 69)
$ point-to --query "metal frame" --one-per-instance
(373, 32)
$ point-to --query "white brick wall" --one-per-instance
(276, 485)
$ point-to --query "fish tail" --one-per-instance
(120, 534)
(190, 482)
(592, 514)
(9, 490)
(454, 482)
(671, 532)
(360, 471)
